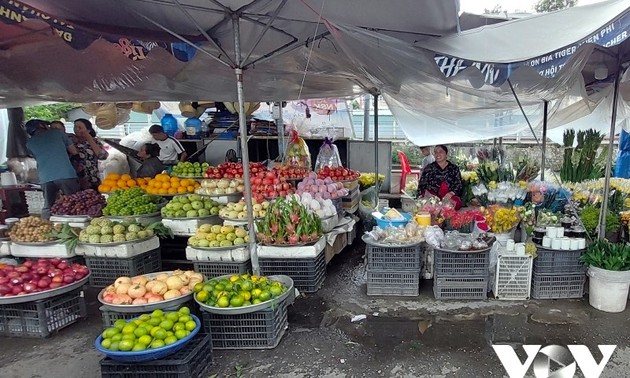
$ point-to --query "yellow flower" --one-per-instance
(492, 185)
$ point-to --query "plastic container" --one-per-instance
(461, 264)
(513, 280)
(169, 124)
(472, 288)
(558, 286)
(551, 261)
(607, 289)
(193, 361)
(382, 223)
(43, 317)
(211, 269)
(308, 274)
(105, 270)
(394, 283)
(193, 128)
(394, 258)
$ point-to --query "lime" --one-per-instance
(219, 287)
(265, 296)
(275, 291)
(191, 325)
(154, 330)
(120, 324)
(256, 293)
(146, 340)
(198, 287)
(160, 334)
(208, 287)
(114, 346)
(109, 332)
(247, 286)
(129, 328)
(184, 318)
(256, 301)
(117, 337)
(180, 334)
(172, 316)
(157, 313)
(155, 321)
(167, 324)
(137, 322)
(170, 340)
(128, 336)
(237, 301)
(140, 331)
(106, 343)
(145, 317)
(246, 295)
(178, 326)
(229, 287)
(138, 347)
(170, 333)
(157, 344)
(223, 302)
(125, 345)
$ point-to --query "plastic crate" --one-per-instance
(394, 258)
(473, 288)
(514, 277)
(558, 286)
(43, 317)
(193, 361)
(256, 330)
(308, 274)
(461, 264)
(211, 269)
(551, 261)
(387, 282)
(104, 270)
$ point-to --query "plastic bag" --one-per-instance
(328, 155)
(297, 154)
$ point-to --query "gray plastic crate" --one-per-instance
(558, 286)
(256, 330)
(396, 283)
(513, 279)
(104, 270)
(473, 288)
(211, 269)
(550, 261)
(394, 258)
(308, 274)
(43, 317)
(461, 264)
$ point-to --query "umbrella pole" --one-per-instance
(378, 187)
(543, 158)
(244, 151)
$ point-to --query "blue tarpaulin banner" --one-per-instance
(622, 165)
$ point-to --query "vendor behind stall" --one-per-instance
(442, 178)
(170, 148)
(151, 164)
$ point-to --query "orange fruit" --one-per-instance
(174, 179)
(181, 189)
(113, 176)
(125, 177)
(166, 185)
(121, 183)
(131, 183)
(190, 189)
(163, 191)
(103, 188)
(172, 191)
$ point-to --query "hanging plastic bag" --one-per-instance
(297, 154)
(328, 155)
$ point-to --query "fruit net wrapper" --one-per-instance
(328, 155)
(297, 154)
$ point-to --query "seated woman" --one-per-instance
(151, 164)
(442, 178)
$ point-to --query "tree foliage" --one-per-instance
(544, 6)
(496, 10)
(50, 112)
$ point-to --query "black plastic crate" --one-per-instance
(43, 317)
(308, 274)
(257, 330)
(394, 258)
(192, 361)
(104, 270)
(460, 287)
(387, 282)
(461, 264)
(551, 261)
(558, 286)
(211, 269)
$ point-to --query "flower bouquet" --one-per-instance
(461, 221)
(547, 217)
(501, 219)
(435, 207)
(469, 179)
(528, 215)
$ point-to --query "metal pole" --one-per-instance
(280, 124)
(366, 117)
(543, 159)
(378, 187)
(244, 151)
(611, 144)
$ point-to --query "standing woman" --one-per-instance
(442, 178)
(90, 152)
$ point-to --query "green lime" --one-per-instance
(117, 337)
(106, 343)
(160, 334)
(146, 339)
(155, 321)
(125, 345)
(167, 324)
(223, 302)
(157, 344)
(191, 325)
(179, 326)
(157, 313)
(172, 316)
(114, 346)
(140, 331)
(170, 340)
(129, 328)
(109, 332)
(265, 296)
(120, 324)
(202, 296)
(180, 334)
(184, 318)
(185, 310)
(129, 336)
(138, 347)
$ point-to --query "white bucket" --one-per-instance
(608, 290)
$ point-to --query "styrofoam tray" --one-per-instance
(120, 251)
(236, 254)
(303, 252)
(188, 227)
(50, 250)
(5, 248)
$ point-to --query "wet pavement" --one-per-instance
(400, 337)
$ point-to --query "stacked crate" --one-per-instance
(558, 274)
(393, 270)
(461, 275)
(513, 279)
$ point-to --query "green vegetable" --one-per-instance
(605, 255)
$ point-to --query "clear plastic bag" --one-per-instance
(297, 154)
(328, 155)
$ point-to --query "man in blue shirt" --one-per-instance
(50, 147)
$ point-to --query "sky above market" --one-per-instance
(512, 6)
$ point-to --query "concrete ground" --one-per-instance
(401, 337)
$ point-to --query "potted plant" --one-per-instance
(609, 275)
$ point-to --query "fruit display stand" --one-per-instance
(41, 314)
(219, 261)
(188, 226)
(461, 275)
(305, 264)
(34, 250)
(558, 274)
(192, 361)
(392, 269)
(513, 276)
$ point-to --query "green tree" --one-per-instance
(544, 6)
(496, 10)
(49, 112)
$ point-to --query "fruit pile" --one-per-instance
(134, 201)
(33, 230)
(141, 290)
(114, 181)
(148, 331)
(238, 291)
(190, 206)
(86, 202)
(232, 170)
(338, 173)
(324, 208)
(103, 230)
(220, 187)
(238, 210)
(291, 172)
(269, 185)
(188, 169)
(288, 222)
(163, 184)
(37, 276)
(218, 236)
(321, 188)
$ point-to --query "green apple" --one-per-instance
(240, 233)
(214, 210)
(192, 214)
(231, 236)
(226, 243)
(177, 206)
(187, 207)
(220, 237)
(216, 229)
(193, 242)
(207, 228)
(197, 205)
(204, 243)
(239, 241)
(180, 214)
(204, 212)
(215, 243)
(208, 205)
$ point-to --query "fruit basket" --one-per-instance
(285, 280)
(150, 354)
(44, 294)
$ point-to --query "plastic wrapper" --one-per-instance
(409, 234)
(328, 155)
(297, 154)
(434, 236)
